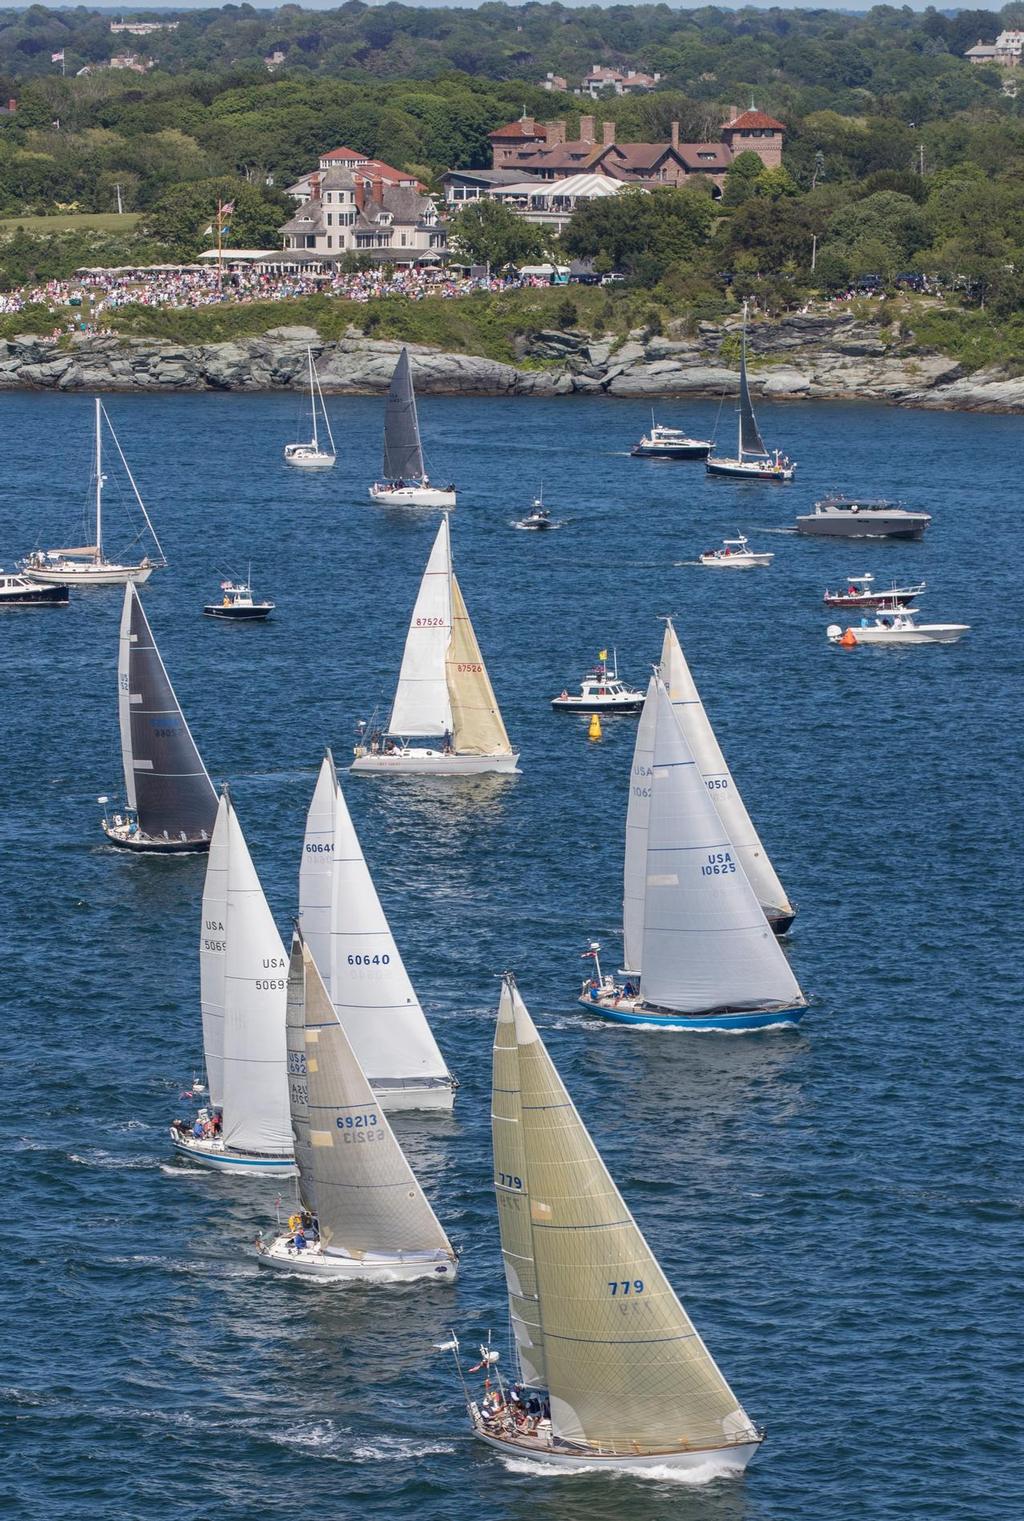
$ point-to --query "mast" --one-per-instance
(743, 384)
(99, 485)
(312, 400)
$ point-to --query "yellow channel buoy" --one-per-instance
(594, 732)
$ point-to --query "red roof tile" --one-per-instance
(755, 119)
(514, 129)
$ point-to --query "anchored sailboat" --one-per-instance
(364, 1214)
(444, 691)
(405, 481)
(753, 461)
(312, 455)
(243, 973)
(86, 565)
(708, 958)
(349, 936)
(611, 1372)
(170, 801)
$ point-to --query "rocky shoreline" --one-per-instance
(801, 357)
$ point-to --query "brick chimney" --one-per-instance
(377, 191)
(608, 133)
(12, 106)
(314, 187)
(587, 125)
(675, 134)
(554, 133)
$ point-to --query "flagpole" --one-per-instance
(220, 261)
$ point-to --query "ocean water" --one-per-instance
(839, 1208)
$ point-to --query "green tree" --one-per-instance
(641, 232)
(489, 233)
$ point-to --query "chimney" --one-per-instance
(360, 194)
(12, 105)
(314, 187)
(377, 191)
(608, 133)
(586, 129)
(675, 134)
(554, 133)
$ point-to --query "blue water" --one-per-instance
(840, 1208)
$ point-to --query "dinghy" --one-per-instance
(708, 957)
(87, 565)
(243, 976)
(351, 941)
(170, 804)
(444, 691)
(610, 1370)
(312, 455)
(405, 481)
(363, 1213)
(753, 461)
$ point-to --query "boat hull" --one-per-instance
(937, 634)
(144, 844)
(629, 1011)
(863, 526)
(682, 451)
(57, 595)
(412, 496)
(736, 562)
(239, 614)
(213, 1155)
(314, 1263)
(718, 1461)
(780, 922)
(435, 763)
(91, 575)
(749, 471)
(588, 705)
(310, 461)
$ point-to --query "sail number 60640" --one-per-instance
(369, 960)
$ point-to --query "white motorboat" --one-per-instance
(405, 482)
(670, 443)
(898, 627)
(753, 460)
(538, 517)
(20, 591)
(444, 691)
(735, 554)
(606, 1374)
(601, 691)
(238, 604)
(86, 564)
(861, 595)
(848, 517)
(313, 455)
(363, 1214)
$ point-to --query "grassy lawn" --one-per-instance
(74, 222)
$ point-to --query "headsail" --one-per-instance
(751, 441)
(165, 779)
(707, 944)
(298, 1086)
(626, 1370)
(348, 933)
(511, 1191)
(634, 870)
(477, 725)
(422, 706)
(212, 955)
(403, 453)
(368, 1198)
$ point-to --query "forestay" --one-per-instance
(403, 453)
(512, 1194)
(212, 954)
(256, 1114)
(626, 1370)
(166, 782)
(477, 726)
(422, 707)
(707, 944)
(368, 1198)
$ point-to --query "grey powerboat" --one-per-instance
(851, 517)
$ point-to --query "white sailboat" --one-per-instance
(313, 455)
(364, 1214)
(348, 934)
(708, 957)
(86, 564)
(444, 691)
(243, 980)
(753, 460)
(611, 1372)
(405, 482)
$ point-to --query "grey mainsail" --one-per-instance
(165, 780)
(403, 453)
(751, 441)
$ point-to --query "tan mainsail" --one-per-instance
(627, 1372)
(477, 727)
(512, 1196)
(298, 1086)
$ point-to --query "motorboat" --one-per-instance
(753, 461)
(896, 628)
(237, 604)
(861, 595)
(312, 455)
(670, 443)
(601, 691)
(21, 591)
(538, 517)
(735, 554)
(404, 481)
(852, 517)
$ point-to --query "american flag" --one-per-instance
(57, 57)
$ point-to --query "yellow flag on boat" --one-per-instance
(602, 654)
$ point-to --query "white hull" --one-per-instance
(412, 496)
(310, 461)
(440, 1098)
(435, 763)
(214, 1155)
(716, 1460)
(312, 1262)
(936, 633)
(736, 562)
(90, 575)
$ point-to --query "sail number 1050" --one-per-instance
(626, 1286)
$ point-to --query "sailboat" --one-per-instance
(243, 974)
(349, 936)
(610, 1371)
(312, 455)
(444, 691)
(86, 564)
(363, 1213)
(405, 481)
(706, 751)
(708, 957)
(753, 461)
(170, 802)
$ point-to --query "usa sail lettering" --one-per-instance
(368, 960)
(509, 1180)
(719, 864)
(271, 984)
(297, 1063)
(299, 1093)
(640, 790)
(627, 1286)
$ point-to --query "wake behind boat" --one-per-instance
(405, 481)
(753, 460)
(538, 518)
(313, 455)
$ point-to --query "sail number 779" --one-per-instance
(626, 1286)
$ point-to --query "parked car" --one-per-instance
(615, 278)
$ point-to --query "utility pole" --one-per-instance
(920, 159)
(814, 251)
(120, 206)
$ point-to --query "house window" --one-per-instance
(330, 242)
(403, 240)
(330, 219)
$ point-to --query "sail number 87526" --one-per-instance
(626, 1286)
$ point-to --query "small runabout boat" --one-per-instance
(736, 554)
(861, 595)
(20, 591)
(753, 461)
(670, 443)
(312, 455)
(237, 603)
(404, 481)
(851, 517)
(896, 628)
(538, 517)
(601, 691)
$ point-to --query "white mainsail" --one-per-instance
(634, 867)
(707, 944)
(422, 707)
(626, 1370)
(212, 954)
(348, 934)
(368, 1199)
(256, 1114)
